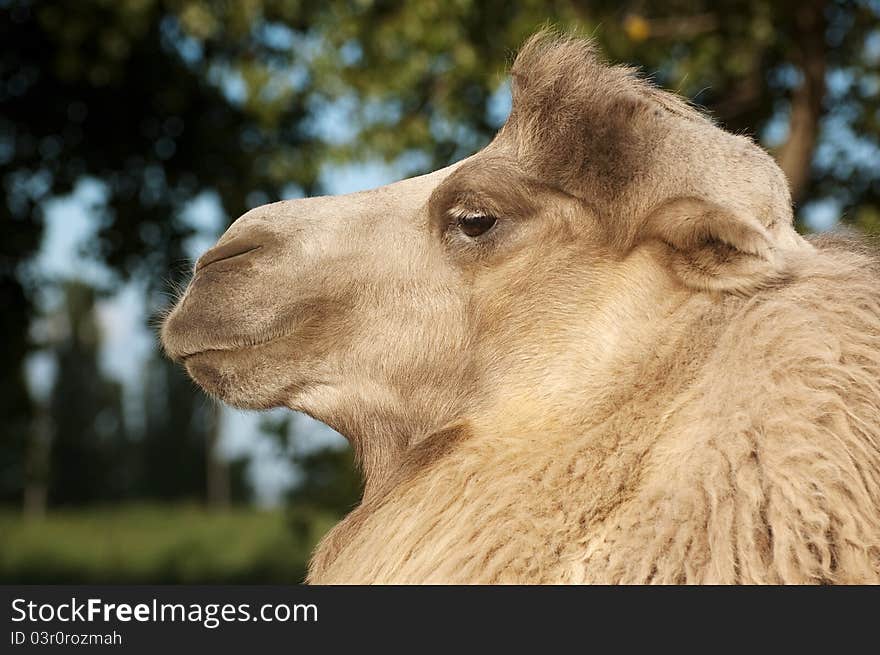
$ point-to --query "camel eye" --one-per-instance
(474, 226)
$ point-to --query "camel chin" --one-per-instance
(235, 377)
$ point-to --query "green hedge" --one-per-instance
(160, 545)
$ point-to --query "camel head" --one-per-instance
(503, 290)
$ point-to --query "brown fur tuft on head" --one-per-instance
(649, 166)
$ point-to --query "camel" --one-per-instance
(596, 351)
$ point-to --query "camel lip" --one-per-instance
(184, 357)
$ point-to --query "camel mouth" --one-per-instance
(182, 352)
(231, 349)
(186, 357)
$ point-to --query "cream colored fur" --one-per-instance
(640, 374)
(749, 453)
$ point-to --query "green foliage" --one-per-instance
(159, 545)
(332, 482)
(120, 91)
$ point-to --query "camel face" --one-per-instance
(298, 296)
(497, 291)
(404, 306)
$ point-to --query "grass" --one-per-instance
(155, 544)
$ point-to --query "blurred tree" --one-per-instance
(331, 482)
(178, 454)
(154, 99)
(160, 100)
(16, 407)
(88, 458)
(177, 426)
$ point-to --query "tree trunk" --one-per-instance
(36, 470)
(217, 469)
(795, 155)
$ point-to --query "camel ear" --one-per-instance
(715, 248)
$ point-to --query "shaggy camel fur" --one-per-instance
(595, 351)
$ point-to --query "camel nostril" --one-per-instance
(234, 248)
